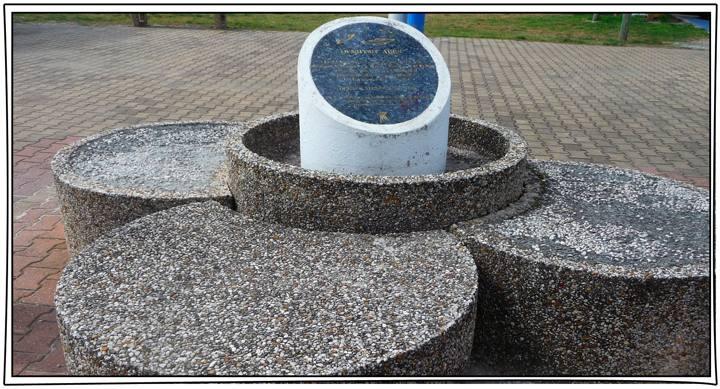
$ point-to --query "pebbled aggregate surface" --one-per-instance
(487, 174)
(121, 174)
(594, 271)
(201, 290)
(164, 157)
(606, 215)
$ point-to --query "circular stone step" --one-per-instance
(486, 169)
(605, 272)
(111, 178)
(200, 289)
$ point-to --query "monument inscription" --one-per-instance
(374, 73)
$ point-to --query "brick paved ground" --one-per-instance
(645, 108)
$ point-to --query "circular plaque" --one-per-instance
(374, 73)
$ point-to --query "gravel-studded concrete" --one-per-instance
(202, 290)
(109, 179)
(586, 103)
(604, 272)
(487, 166)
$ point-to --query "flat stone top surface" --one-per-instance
(597, 215)
(179, 158)
(374, 73)
(199, 289)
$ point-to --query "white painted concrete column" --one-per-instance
(331, 140)
(398, 17)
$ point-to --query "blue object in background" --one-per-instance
(417, 21)
(695, 21)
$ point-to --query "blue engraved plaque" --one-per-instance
(374, 73)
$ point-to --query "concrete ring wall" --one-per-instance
(267, 187)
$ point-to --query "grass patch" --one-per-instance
(562, 28)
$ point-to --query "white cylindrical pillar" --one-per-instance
(398, 17)
(374, 99)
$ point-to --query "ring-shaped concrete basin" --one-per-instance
(486, 172)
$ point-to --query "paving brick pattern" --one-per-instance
(635, 107)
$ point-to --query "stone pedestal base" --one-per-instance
(601, 272)
(109, 179)
(202, 290)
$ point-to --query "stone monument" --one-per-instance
(374, 98)
(404, 242)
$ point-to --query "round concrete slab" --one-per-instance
(202, 290)
(108, 179)
(603, 271)
(486, 169)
